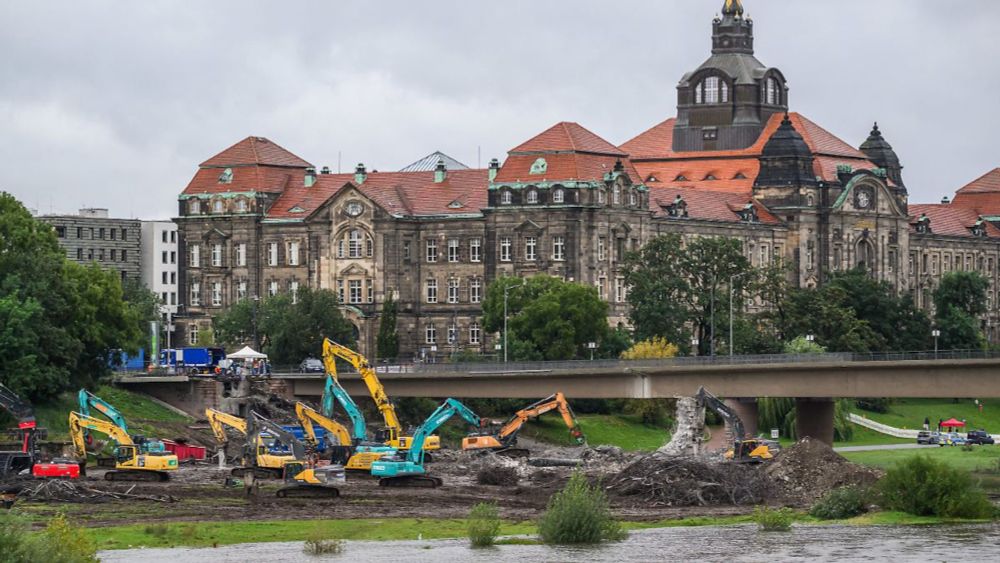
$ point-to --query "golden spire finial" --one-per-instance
(732, 8)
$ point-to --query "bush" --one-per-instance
(845, 502)
(652, 349)
(773, 520)
(925, 487)
(873, 404)
(579, 514)
(317, 544)
(484, 524)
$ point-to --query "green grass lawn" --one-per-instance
(910, 413)
(868, 437)
(625, 431)
(981, 458)
(141, 413)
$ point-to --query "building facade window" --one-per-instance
(452, 334)
(430, 335)
(453, 250)
(602, 249)
(505, 197)
(432, 250)
(218, 206)
(241, 291)
(475, 290)
(241, 254)
(371, 290)
(194, 256)
(530, 248)
(432, 291)
(602, 288)
(712, 90)
(532, 196)
(340, 290)
(772, 96)
(620, 290)
(272, 254)
(173, 256)
(559, 248)
(475, 333)
(163, 257)
(453, 290)
(632, 199)
(293, 253)
(505, 244)
(476, 250)
(406, 250)
(354, 291)
(163, 278)
(195, 294)
(216, 294)
(272, 289)
(558, 196)
(616, 195)
(193, 335)
(293, 288)
(217, 255)
(354, 244)
(369, 247)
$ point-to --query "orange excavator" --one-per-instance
(503, 440)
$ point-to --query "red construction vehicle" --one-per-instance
(14, 462)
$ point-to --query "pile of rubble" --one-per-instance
(809, 469)
(668, 480)
(67, 491)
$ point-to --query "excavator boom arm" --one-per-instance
(334, 392)
(368, 375)
(449, 408)
(720, 408)
(257, 424)
(307, 416)
(557, 401)
(79, 422)
(88, 399)
(219, 420)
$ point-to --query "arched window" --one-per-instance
(631, 198)
(218, 206)
(865, 254)
(558, 196)
(772, 94)
(354, 244)
(532, 196)
(194, 208)
(712, 90)
(241, 205)
(616, 195)
(601, 196)
(505, 197)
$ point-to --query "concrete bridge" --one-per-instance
(813, 381)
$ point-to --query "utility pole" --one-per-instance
(256, 337)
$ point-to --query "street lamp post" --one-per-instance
(935, 333)
(711, 312)
(732, 295)
(694, 346)
(592, 346)
(256, 337)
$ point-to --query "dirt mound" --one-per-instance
(667, 480)
(498, 475)
(809, 469)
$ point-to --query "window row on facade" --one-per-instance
(94, 233)
(218, 206)
(473, 334)
(217, 291)
(102, 255)
(532, 196)
(276, 254)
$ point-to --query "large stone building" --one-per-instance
(257, 220)
(94, 237)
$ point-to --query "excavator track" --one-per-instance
(258, 473)
(307, 491)
(425, 481)
(136, 475)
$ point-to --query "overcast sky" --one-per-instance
(114, 104)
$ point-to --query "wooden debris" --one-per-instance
(68, 491)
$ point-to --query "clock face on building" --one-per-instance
(864, 200)
(354, 208)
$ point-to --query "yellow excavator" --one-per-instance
(503, 440)
(257, 455)
(130, 464)
(352, 457)
(745, 449)
(392, 433)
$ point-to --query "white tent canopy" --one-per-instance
(247, 353)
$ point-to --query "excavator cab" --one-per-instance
(752, 450)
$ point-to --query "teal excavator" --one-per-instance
(88, 400)
(363, 451)
(407, 470)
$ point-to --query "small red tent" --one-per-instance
(952, 423)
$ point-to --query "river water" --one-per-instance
(978, 543)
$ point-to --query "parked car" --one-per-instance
(938, 439)
(955, 439)
(923, 437)
(311, 365)
(980, 437)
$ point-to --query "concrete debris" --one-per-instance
(809, 469)
(688, 436)
(498, 475)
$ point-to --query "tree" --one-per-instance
(960, 300)
(387, 341)
(826, 313)
(547, 318)
(802, 346)
(288, 331)
(59, 321)
(654, 348)
(894, 318)
(677, 291)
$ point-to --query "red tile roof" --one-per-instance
(982, 194)
(255, 151)
(708, 206)
(412, 194)
(245, 179)
(950, 220)
(567, 137)
(653, 154)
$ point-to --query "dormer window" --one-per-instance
(532, 196)
(631, 199)
(680, 178)
(712, 90)
(924, 224)
(602, 196)
(678, 208)
(218, 206)
(539, 166)
(558, 196)
(505, 197)
(772, 94)
(616, 195)
(749, 213)
(241, 206)
(739, 176)
(979, 229)
(226, 177)
(194, 208)
(710, 177)
(652, 179)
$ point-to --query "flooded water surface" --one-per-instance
(734, 543)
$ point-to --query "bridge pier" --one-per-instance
(746, 409)
(814, 418)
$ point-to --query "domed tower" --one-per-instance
(725, 103)
(786, 161)
(879, 151)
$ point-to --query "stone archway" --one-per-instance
(865, 255)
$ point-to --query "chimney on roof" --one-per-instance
(310, 179)
(945, 200)
(440, 171)
(360, 174)
(325, 170)
(494, 169)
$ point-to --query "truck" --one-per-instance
(192, 361)
(122, 361)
